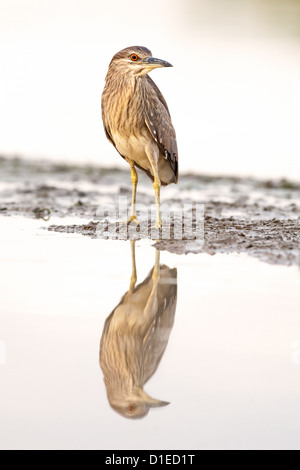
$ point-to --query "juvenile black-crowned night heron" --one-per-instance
(137, 121)
(134, 339)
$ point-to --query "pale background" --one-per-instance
(233, 93)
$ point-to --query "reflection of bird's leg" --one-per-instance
(133, 274)
(151, 305)
(156, 269)
(134, 179)
(153, 155)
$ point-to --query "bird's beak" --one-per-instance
(154, 403)
(151, 402)
(153, 63)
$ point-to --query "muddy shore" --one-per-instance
(241, 215)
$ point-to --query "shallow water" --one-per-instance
(230, 369)
(241, 215)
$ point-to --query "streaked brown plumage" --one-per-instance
(134, 339)
(137, 120)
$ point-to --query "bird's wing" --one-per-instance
(157, 92)
(158, 121)
(108, 135)
(106, 128)
(107, 132)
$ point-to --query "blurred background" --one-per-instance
(233, 93)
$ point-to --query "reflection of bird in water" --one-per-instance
(135, 337)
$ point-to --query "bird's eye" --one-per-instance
(131, 408)
(134, 57)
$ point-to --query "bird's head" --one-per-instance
(137, 405)
(136, 60)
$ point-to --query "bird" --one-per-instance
(134, 338)
(137, 121)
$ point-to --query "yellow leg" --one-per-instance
(134, 179)
(156, 270)
(156, 186)
(133, 274)
(151, 307)
(153, 155)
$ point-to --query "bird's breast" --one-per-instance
(133, 146)
(123, 110)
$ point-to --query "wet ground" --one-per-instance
(241, 215)
(219, 359)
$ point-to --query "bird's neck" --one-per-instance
(122, 81)
(123, 94)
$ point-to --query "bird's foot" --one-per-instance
(132, 218)
(158, 225)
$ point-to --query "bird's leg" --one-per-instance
(134, 179)
(153, 155)
(133, 278)
(156, 186)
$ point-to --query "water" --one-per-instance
(230, 370)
